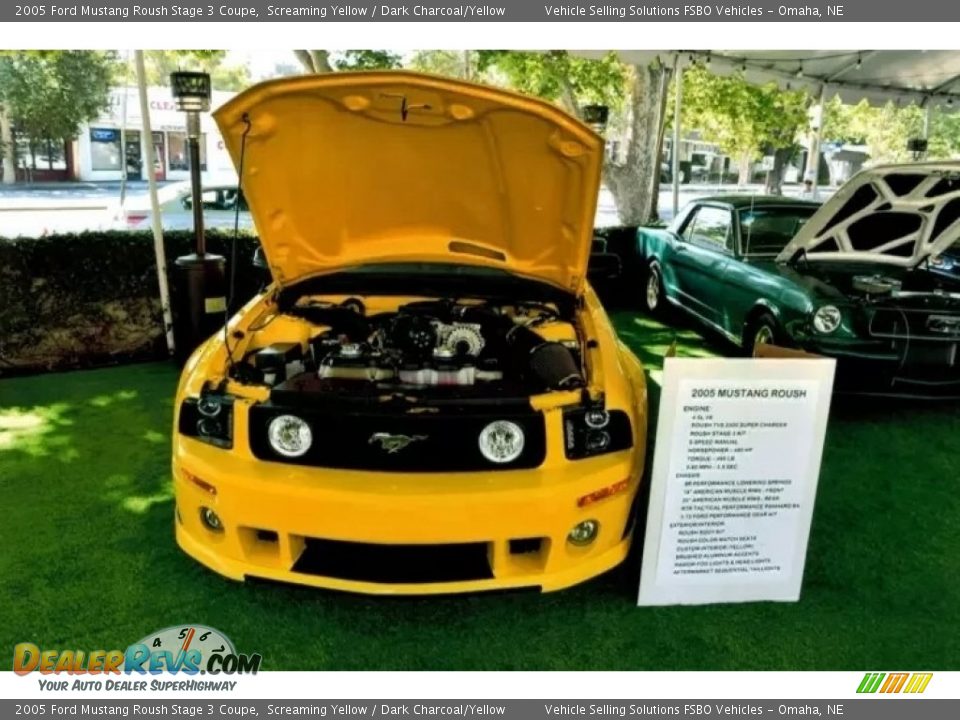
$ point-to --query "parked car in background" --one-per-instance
(863, 279)
(176, 208)
(711, 259)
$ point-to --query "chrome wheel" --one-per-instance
(653, 289)
(763, 336)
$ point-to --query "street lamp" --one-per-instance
(201, 276)
(917, 147)
(191, 95)
(596, 116)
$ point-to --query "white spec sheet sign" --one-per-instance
(735, 470)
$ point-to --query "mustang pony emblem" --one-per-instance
(393, 443)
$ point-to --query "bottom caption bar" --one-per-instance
(857, 709)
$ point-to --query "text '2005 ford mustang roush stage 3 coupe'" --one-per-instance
(429, 397)
(865, 278)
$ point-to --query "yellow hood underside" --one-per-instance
(344, 169)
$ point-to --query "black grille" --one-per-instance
(368, 562)
(913, 324)
(435, 440)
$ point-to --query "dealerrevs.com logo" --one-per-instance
(189, 649)
(895, 682)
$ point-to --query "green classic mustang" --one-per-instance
(859, 279)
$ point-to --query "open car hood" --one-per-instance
(893, 214)
(344, 169)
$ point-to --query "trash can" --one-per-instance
(200, 301)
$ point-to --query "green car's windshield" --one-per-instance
(766, 231)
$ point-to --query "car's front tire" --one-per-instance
(762, 330)
(653, 296)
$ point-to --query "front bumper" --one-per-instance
(920, 368)
(283, 522)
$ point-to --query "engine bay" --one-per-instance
(476, 347)
(873, 283)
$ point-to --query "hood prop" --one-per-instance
(231, 286)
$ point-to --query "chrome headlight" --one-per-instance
(827, 319)
(501, 441)
(289, 435)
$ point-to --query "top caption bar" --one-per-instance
(491, 11)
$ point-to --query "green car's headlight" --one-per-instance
(827, 319)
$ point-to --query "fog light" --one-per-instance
(584, 533)
(210, 519)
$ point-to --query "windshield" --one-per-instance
(767, 230)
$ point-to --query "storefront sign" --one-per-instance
(735, 472)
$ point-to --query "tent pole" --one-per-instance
(146, 140)
(675, 150)
(813, 150)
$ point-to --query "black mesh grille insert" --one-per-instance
(446, 440)
(369, 562)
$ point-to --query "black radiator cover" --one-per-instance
(441, 439)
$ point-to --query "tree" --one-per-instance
(48, 94)
(322, 61)
(557, 76)
(160, 63)
(635, 180)
(635, 95)
(450, 63)
(885, 130)
(744, 119)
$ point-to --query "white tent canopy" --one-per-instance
(924, 77)
(928, 78)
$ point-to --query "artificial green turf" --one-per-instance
(89, 560)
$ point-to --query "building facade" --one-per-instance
(112, 143)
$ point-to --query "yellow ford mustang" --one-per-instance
(429, 397)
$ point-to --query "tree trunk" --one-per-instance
(664, 92)
(6, 142)
(314, 61)
(321, 61)
(631, 182)
(568, 97)
(746, 164)
(774, 185)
